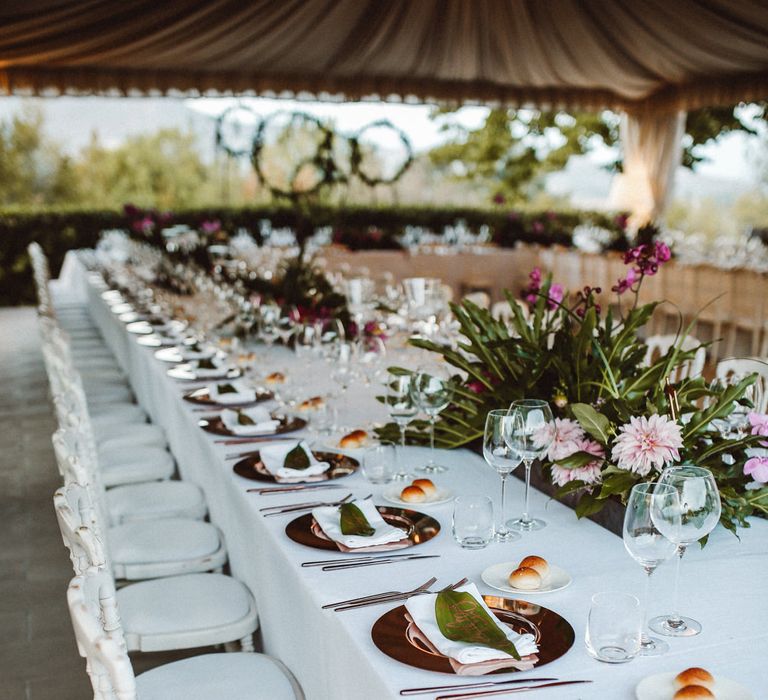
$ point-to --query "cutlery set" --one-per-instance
(369, 560)
(292, 488)
(309, 505)
(389, 597)
(488, 693)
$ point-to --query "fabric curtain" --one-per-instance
(652, 146)
(618, 54)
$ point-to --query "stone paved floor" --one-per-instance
(38, 657)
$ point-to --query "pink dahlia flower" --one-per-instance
(757, 468)
(647, 443)
(759, 423)
(562, 435)
(589, 473)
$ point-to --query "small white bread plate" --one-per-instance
(392, 494)
(497, 576)
(661, 687)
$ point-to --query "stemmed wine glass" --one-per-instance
(371, 357)
(432, 391)
(286, 324)
(504, 460)
(401, 409)
(649, 504)
(343, 371)
(529, 433)
(700, 509)
(268, 332)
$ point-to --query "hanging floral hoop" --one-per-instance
(357, 156)
(222, 137)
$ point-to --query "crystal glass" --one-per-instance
(473, 521)
(378, 463)
(306, 341)
(499, 456)
(613, 627)
(371, 358)
(402, 410)
(432, 391)
(700, 512)
(268, 332)
(648, 504)
(529, 434)
(343, 369)
(286, 324)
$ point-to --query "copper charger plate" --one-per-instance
(553, 633)
(419, 527)
(202, 397)
(340, 465)
(215, 425)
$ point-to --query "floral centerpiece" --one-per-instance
(617, 423)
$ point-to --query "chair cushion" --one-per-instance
(118, 414)
(150, 501)
(182, 603)
(214, 676)
(115, 437)
(134, 465)
(150, 542)
(107, 394)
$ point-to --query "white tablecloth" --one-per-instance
(724, 586)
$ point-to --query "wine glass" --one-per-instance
(343, 371)
(700, 512)
(286, 324)
(268, 333)
(649, 504)
(499, 456)
(371, 357)
(529, 433)
(432, 391)
(401, 409)
(306, 341)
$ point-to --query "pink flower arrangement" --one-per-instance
(647, 443)
(532, 292)
(210, 226)
(759, 423)
(757, 468)
(589, 473)
(563, 436)
(646, 260)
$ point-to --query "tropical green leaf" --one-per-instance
(226, 389)
(596, 424)
(297, 459)
(354, 522)
(244, 419)
(461, 618)
(576, 460)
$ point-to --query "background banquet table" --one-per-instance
(332, 654)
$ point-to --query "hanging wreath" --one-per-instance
(357, 154)
(321, 162)
(230, 130)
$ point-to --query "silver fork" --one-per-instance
(393, 599)
(309, 506)
(375, 596)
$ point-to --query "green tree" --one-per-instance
(511, 152)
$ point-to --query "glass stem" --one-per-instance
(502, 526)
(525, 518)
(675, 621)
(645, 640)
(402, 436)
(432, 419)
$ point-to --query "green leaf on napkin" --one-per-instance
(243, 419)
(296, 459)
(461, 618)
(206, 364)
(353, 522)
(226, 389)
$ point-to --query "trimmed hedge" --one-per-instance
(60, 231)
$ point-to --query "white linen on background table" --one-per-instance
(332, 654)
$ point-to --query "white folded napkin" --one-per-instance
(273, 458)
(329, 520)
(243, 392)
(422, 610)
(263, 423)
(220, 368)
(188, 352)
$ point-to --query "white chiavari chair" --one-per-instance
(660, 345)
(140, 549)
(95, 609)
(735, 369)
(175, 612)
(481, 299)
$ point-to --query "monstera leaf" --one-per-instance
(296, 459)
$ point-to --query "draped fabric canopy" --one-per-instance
(634, 55)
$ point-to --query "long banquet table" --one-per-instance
(332, 654)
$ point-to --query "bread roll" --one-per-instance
(426, 486)
(275, 378)
(538, 564)
(357, 438)
(525, 578)
(413, 494)
(693, 692)
(694, 676)
(312, 404)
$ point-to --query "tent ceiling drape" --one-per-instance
(623, 54)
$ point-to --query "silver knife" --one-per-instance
(488, 693)
(467, 686)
